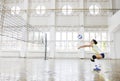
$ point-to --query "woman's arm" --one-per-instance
(84, 46)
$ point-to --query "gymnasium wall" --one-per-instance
(114, 30)
(117, 43)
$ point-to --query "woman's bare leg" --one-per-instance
(98, 56)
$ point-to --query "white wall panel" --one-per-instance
(96, 20)
(67, 20)
(114, 29)
(117, 44)
(39, 20)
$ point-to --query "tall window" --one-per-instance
(58, 36)
(69, 35)
(69, 39)
(86, 36)
(75, 34)
(104, 36)
(64, 36)
(31, 34)
(36, 35)
(48, 35)
(98, 36)
(92, 35)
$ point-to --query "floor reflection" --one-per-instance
(19, 69)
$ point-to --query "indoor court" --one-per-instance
(59, 40)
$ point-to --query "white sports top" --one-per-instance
(96, 49)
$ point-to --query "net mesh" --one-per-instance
(14, 30)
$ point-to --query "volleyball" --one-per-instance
(79, 36)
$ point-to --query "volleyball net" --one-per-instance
(15, 30)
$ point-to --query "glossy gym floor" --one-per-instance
(26, 69)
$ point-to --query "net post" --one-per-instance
(45, 46)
